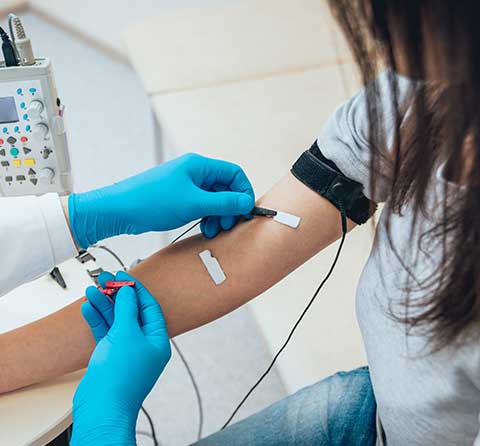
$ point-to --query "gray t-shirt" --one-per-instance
(423, 399)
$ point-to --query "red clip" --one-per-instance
(107, 291)
(118, 285)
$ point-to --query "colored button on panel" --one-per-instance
(17, 163)
(29, 162)
(32, 90)
(2, 152)
(19, 91)
(24, 139)
(14, 151)
(5, 164)
(11, 140)
(21, 178)
(8, 179)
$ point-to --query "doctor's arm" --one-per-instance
(254, 255)
(35, 234)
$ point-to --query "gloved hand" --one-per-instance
(128, 359)
(164, 198)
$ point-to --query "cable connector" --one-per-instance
(21, 41)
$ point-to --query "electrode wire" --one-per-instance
(182, 357)
(175, 240)
(195, 388)
(113, 254)
(153, 433)
(310, 303)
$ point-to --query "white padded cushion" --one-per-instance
(251, 122)
(237, 41)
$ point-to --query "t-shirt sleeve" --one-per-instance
(344, 139)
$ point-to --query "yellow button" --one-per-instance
(29, 162)
(17, 163)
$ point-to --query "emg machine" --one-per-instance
(34, 156)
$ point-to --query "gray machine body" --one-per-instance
(34, 158)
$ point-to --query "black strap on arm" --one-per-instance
(324, 177)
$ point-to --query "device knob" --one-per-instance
(46, 175)
(35, 108)
(41, 130)
(46, 153)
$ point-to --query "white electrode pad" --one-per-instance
(213, 267)
(287, 219)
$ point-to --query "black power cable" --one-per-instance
(310, 303)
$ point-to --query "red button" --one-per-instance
(24, 139)
(1, 141)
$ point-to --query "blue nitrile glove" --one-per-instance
(128, 359)
(164, 198)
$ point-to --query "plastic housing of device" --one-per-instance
(34, 157)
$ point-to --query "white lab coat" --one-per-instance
(34, 238)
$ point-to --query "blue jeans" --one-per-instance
(338, 411)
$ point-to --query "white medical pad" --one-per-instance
(287, 219)
(213, 267)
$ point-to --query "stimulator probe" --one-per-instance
(34, 156)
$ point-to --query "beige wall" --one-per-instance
(103, 21)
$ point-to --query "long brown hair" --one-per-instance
(437, 43)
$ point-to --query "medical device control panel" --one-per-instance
(34, 156)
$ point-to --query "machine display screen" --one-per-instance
(8, 110)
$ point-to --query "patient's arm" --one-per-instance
(255, 255)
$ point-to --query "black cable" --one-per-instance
(195, 388)
(153, 434)
(344, 233)
(145, 434)
(175, 240)
(185, 363)
(8, 50)
(115, 256)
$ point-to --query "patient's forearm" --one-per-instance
(254, 256)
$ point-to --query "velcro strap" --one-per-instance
(324, 177)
